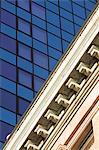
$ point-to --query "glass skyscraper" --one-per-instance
(34, 35)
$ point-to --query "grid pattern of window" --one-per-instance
(31, 42)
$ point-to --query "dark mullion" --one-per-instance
(73, 17)
(17, 101)
(47, 36)
(60, 26)
(31, 31)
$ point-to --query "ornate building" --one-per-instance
(65, 112)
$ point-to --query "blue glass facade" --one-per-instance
(34, 35)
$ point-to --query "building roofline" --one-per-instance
(51, 75)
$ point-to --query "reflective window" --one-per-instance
(66, 5)
(7, 116)
(25, 4)
(79, 2)
(78, 20)
(53, 18)
(7, 70)
(1, 143)
(66, 36)
(24, 38)
(38, 10)
(38, 22)
(25, 93)
(52, 63)
(23, 14)
(40, 59)
(79, 11)
(42, 2)
(40, 72)
(5, 129)
(12, 18)
(24, 26)
(39, 34)
(66, 14)
(54, 41)
(9, 57)
(8, 30)
(67, 25)
(12, 1)
(24, 64)
(8, 6)
(24, 51)
(52, 7)
(89, 5)
(65, 45)
(7, 85)
(38, 82)
(8, 43)
(53, 29)
(7, 100)
(40, 46)
(77, 28)
(25, 78)
(22, 105)
(54, 53)
(54, 2)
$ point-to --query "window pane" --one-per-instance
(8, 30)
(38, 82)
(5, 129)
(52, 63)
(39, 34)
(22, 105)
(9, 57)
(66, 36)
(8, 43)
(52, 7)
(8, 6)
(38, 10)
(7, 100)
(79, 11)
(53, 18)
(89, 5)
(54, 41)
(40, 72)
(66, 5)
(24, 26)
(40, 46)
(65, 45)
(7, 85)
(7, 116)
(67, 25)
(7, 70)
(4, 18)
(40, 59)
(78, 20)
(24, 39)
(24, 51)
(54, 53)
(23, 14)
(24, 4)
(25, 78)
(25, 93)
(66, 14)
(25, 65)
(38, 22)
(53, 29)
